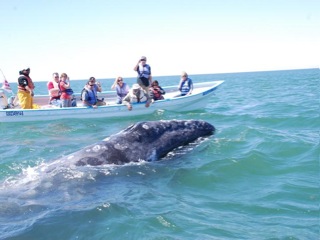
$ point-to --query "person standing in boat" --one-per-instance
(25, 89)
(54, 90)
(136, 95)
(66, 91)
(121, 87)
(88, 95)
(144, 75)
(185, 85)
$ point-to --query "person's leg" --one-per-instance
(24, 99)
(64, 103)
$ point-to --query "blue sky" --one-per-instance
(105, 39)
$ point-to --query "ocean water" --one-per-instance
(256, 178)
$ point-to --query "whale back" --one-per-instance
(148, 141)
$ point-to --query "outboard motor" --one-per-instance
(3, 100)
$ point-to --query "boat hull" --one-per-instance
(196, 101)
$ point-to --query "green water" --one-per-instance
(256, 178)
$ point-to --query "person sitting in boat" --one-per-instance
(88, 95)
(7, 97)
(97, 88)
(66, 91)
(136, 95)
(54, 90)
(121, 87)
(185, 85)
(156, 92)
(25, 89)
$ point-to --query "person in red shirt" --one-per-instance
(64, 84)
(53, 89)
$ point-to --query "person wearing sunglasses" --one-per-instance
(53, 89)
(144, 74)
(121, 87)
(97, 88)
(88, 95)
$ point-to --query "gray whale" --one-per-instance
(148, 141)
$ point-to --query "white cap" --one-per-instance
(135, 86)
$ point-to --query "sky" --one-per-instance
(106, 38)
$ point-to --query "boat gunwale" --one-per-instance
(78, 108)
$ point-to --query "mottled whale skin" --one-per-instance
(148, 141)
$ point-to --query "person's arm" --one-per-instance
(136, 67)
(114, 84)
(30, 90)
(126, 101)
(85, 100)
(50, 86)
(180, 85)
(52, 90)
(150, 80)
(66, 85)
(149, 98)
(191, 87)
(86, 103)
(151, 95)
(99, 88)
(84, 97)
(23, 82)
(150, 76)
(162, 91)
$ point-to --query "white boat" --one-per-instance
(172, 102)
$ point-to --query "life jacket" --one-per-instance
(122, 91)
(137, 99)
(55, 85)
(144, 71)
(83, 90)
(185, 87)
(90, 96)
(157, 94)
(30, 83)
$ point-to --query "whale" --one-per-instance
(143, 141)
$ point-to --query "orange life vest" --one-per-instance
(30, 83)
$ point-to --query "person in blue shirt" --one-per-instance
(97, 88)
(185, 85)
(88, 95)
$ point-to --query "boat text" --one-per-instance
(14, 113)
